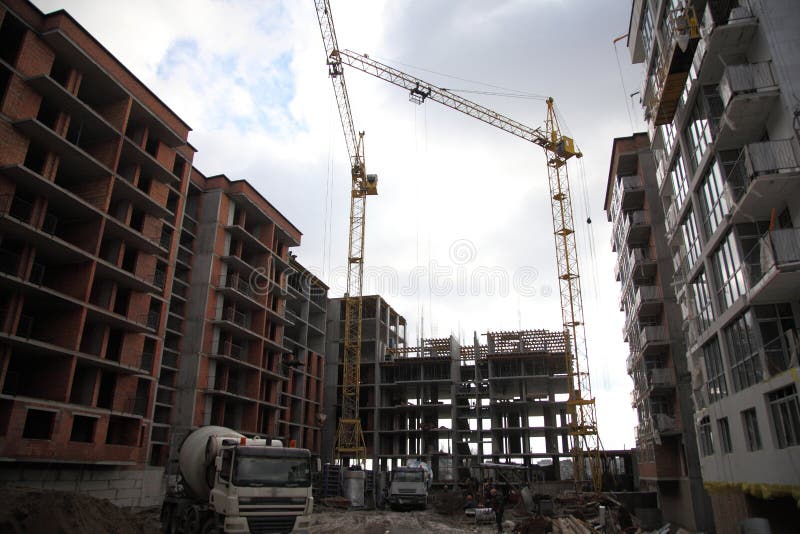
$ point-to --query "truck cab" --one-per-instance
(238, 485)
(262, 489)
(408, 488)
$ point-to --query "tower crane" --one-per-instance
(349, 434)
(585, 446)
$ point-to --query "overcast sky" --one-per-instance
(460, 202)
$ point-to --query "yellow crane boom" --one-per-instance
(558, 149)
(349, 435)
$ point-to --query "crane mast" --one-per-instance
(585, 440)
(349, 435)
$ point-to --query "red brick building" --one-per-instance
(138, 298)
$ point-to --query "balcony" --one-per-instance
(648, 300)
(642, 262)
(763, 177)
(727, 32)
(774, 267)
(236, 321)
(661, 378)
(636, 229)
(239, 288)
(748, 92)
(665, 425)
(680, 33)
(653, 339)
(631, 191)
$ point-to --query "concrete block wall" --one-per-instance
(123, 487)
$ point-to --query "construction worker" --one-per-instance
(469, 502)
(498, 505)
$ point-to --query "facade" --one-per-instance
(232, 368)
(499, 402)
(720, 100)
(93, 173)
(138, 298)
(382, 329)
(306, 313)
(668, 461)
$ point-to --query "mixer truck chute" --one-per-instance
(234, 484)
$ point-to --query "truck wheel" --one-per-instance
(210, 526)
(168, 520)
(191, 520)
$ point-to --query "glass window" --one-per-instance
(724, 435)
(702, 123)
(701, 299)
(679, 180)
(778, 335)
(706, 441)
(784, 410)
(647, 28)
(713, 203)
(716, 385)
(690, 239)
(751, 434)
(728, 266)
(743, 355)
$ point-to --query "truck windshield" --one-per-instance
(257, 471)
(407, 476)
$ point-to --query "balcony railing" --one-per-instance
(16, 207)
(238, 283)
(645, 295)
(777, 249)
(757, 159)
(665, 423)
(235, 316)
(746, 78)
(653, 334)
(661, 377)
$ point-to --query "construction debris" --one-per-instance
(34, 511)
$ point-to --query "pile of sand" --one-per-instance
(25, 510)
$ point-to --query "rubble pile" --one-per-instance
(24, 510)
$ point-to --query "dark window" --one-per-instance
(724, 435)
(83, 428)
(785, 413)
(39, 424)
(751, 434)
(11, 33)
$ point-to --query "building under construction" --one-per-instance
(458, 406)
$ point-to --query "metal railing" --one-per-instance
(661, 377)
(235, 316)
(746, 78)
(235, 281)
(646, 294)
(776, 249)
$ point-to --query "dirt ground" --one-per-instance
(335, 521)
(59, 512)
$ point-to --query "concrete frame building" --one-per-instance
(460, 406)
(720, 97)
(232, 365)
(455, 406)
(138, 298)
(668, 461)
(382, 329)
(306, 312)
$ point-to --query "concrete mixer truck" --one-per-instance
(234, 484)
